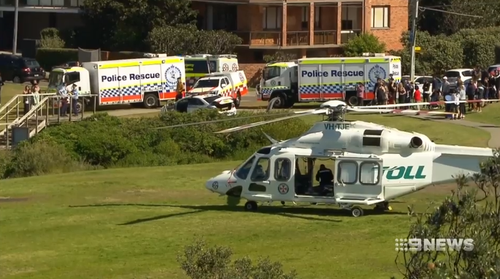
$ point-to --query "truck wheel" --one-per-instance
(277, 102)
(352, 101)
(151, 101)
(237, 101)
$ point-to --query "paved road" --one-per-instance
(494, 130)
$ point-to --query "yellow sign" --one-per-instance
(418, 49)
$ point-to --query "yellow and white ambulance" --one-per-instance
(233, 84)
(145, 81)
(199, 65)
(323, 79)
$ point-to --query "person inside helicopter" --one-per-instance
(325, 177)
(259, 173)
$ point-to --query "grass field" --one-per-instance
(489, 115)
(125, 223)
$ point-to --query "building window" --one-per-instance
(305, 17)
(272, 18)
(380, 17)
(351, 17)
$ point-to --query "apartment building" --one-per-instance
(309, 28)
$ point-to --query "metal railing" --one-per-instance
(347, 35)
(325, 37)
(45, 3)
(297, 38)
(267, 38)
(46, 112)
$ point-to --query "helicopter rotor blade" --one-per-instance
(398, 111)
(260, 123)
(219, 120)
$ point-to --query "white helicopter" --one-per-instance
(371, 164)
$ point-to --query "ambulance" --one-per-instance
(144, 82)
(322, 79)
(233, 84)
(198, 65)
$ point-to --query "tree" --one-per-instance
(364, 43)
(437, 22)
(50, 38)
(280, 56)
(469, 212)
(201, 262)
(186, 39)
(115, 24)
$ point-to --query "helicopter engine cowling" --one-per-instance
(403, 141)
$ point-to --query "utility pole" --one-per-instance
(413, 39)
(16, 19)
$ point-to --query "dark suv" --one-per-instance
(19, 69)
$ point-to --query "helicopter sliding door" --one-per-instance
(358, 179)
(272, 179)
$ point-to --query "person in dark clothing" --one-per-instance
(27, 99)
(470, 91)
(325, 178)
(426, 91)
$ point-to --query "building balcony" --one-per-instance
(76, 4)
(294, 39)
(347, 35)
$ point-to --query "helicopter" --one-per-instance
(371, 164)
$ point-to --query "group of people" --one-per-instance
(32, 97)
(67, 92)
(392, 92)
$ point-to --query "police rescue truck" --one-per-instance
(322, 79)
(145, 81)
(233, 84)
(199, 65)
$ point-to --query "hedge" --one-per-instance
(103, 141)
(50, 57)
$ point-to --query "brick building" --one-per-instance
(308, 28)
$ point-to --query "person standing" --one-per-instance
(360, 89)
(180, 89)
(462, 99)
(63, 94)
(401, 93)
(27, 99)
(426, 91)
(74, 99)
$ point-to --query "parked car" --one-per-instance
(20, 69)
(459, 73)
(224, 104)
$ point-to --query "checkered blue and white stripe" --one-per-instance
(134, 90)
(332, 88)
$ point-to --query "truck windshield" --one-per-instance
(271, 72)
(55, 79)
(202, 83)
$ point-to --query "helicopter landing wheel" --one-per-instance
(357, 211)
(383, 206)
(283, 203)
(250, 206)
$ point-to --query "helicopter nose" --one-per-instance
(212, 185)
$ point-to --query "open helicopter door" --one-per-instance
(358, 180)
(272, 179)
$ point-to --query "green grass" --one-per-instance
(132, 223)
(489, 115)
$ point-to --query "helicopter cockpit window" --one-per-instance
(265, 150)
(261, 170)
(282, 169)
(369, 173)
(243, 171)
(347, 172)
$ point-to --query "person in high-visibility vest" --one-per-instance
(180, 89)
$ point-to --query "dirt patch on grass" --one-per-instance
(9, 199)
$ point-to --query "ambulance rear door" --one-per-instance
(310, 80)
(130, 87)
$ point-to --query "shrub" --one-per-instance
(497, 54)
(50, 38)
(364, 43)
(280, 56)
(109, 141)
(50, 57)
(41, 157)
(200, 262)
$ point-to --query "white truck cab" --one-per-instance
(70, 75)
(232, 84)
